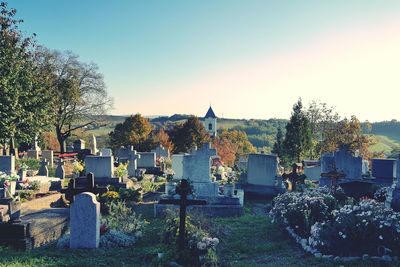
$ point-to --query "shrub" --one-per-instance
(149, 186)
(26, 195)
(358, 229)
(109, 196)
(78, 167)
(30, 164)
(122, 218)
(130, 194)
(301, 210)
(34, 185)
(122, 170)
(380, 195)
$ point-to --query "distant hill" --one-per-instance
(262, 133)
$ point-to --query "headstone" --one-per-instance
(348, 164)
(33, 154)
(132, 166)
(49, 156)
(262, 169)
(43, 170)
(100, 166)
(177, 165)
(94, 145)
(85, 221)
(146, 160)
(161, 152)
(123, 154)
(365, 167)
(197, 168)
(312, 169)
(7, 164)
(106, 152)
(60, 171)
(79, 145)
(384, 170)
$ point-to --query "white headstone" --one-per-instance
(106, 152)
(177, 165)
(100, 166)
(49, 156)
(132, 166)
(85, 221)
(262, 169)
(147, 160)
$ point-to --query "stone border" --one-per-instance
(39, 203)
(304, 244)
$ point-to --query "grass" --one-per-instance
(250, 240)
(384, 144)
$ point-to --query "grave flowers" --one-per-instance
(229, 187)
(8, 182)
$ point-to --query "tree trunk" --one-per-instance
(62, 137)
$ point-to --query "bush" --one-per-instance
(122, 170)
(358, 229)
(301, 210)
(26, 195)
(130, 194)
(380, 195)
(123, 219)
(34, 185)
(149, 186)
(32, 164)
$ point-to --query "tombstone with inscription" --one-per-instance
(49, 156)
(384, 171)
(85, 222)
(132, 166)
(7, 164)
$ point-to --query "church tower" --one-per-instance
(210, 122)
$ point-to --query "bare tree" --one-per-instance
(78, 90)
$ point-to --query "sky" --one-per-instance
(248, 59)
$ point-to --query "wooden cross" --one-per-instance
(334, 176)
(183, 189)
(90, 186)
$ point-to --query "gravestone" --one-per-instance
(49, 156)
(197, 168)
(177, 165)
(106, 152)
(327, 165)
(312, 169)
(101, 166)
(7, 164)
(132, 166)
(35, 151)
(123, 154)
(85, 221)
(347, 163)
(384, 171)
(77, 186)
(262, 169)
(79, 145)
(161, 152)
(93, 145)
(146, 160)
(60, 171)
(44, 170)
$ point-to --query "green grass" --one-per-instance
(250, 240)
(384, 144)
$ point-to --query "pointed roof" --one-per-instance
(210, 113)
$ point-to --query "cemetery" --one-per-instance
(261, 182)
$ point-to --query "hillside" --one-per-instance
(262, 133)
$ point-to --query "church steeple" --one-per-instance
(210, 114)
(210, 122)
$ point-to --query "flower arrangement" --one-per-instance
(23, 166)
(381, 194)
(109, 196)
(77, 167)
(130, 194)
(122, 170)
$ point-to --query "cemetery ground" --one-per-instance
(249, 240)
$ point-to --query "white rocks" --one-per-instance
(85, 221)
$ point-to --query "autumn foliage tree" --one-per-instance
(134, 131)
(240, 142)
(161, 137)
(226, 150)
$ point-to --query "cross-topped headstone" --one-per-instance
(334, 175)
(44, 170)
(89, 186)
(183, 189)
(294, 177)
(60, 172)
(132, 166)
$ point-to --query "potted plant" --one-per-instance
(170, 184)
(229, 187)
(23, 168)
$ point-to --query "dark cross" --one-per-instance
(294, 177)
(334, 176)
(183, 189)
(89, 186)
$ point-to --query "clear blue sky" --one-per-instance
(249, 59)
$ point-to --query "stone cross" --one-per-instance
(89, 186)
(132, 166)
(334, 176)
(183, 189)
(294, 177)
(85, 222)
(60, 172)
(44, 170)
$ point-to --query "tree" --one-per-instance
(241, 142)
(134, 131)
(189, 134)
(278, 146)
(162, 138)
(24, 109)
(298, 138)
(347, 133)
(226, 150)
(78, 91)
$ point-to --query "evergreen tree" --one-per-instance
(278, 145)
(298, 138)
